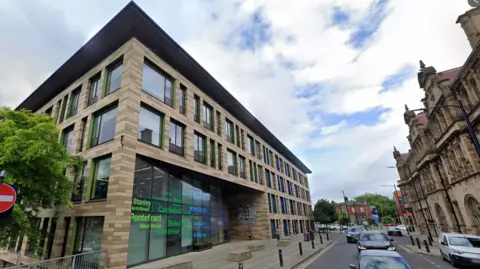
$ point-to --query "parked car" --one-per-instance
(402, 227)
(380, 259)
(374, 240)
(394, 231)
(460, 249)
(352, 233)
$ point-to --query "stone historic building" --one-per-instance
(440, 174)
(173, 161)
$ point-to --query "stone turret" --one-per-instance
(470, 22)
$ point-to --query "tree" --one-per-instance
(343, 220)
(325, 212)
(384, 205)
(37, 163)
(388, 220)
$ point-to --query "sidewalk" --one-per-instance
(434, 250)
(217, 257)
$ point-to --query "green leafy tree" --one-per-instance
(384, 205)
(388, 220)
(324, 211)
(36, 162)
(343, 220)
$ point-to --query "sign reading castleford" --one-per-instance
(8, 196)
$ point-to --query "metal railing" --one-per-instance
(88, 260)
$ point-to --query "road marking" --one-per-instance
(316, 256)
(6, 198)
(405, 249)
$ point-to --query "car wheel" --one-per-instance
(443, 256)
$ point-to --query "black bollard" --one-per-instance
(418, 243)
(321, 239)
(430, 241)
(300, 248)
(240, 265)
(411, 239)
(328, 238)
(426, 246)
(313, 244)
(280, 257)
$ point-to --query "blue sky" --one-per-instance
(329, 78)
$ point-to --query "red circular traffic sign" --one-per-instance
(8, 196)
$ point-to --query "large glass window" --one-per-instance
(104, 124)
(150, 126)
(229, 132)
(157, 83)
(207, 116)
(63, 109)
(251, 145)
(94, 89)
(88, 237)
(101, 175)
(67, 138)
(242, 166)
(199, 148)
(172, 213)
(176, 138)
(196, 109)
(114, 77)
(181, 99)
(232, 162)
(74, 101)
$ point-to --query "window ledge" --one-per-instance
(149, 144)
(108, 141)
(96, 200)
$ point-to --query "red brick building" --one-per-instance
(356, 212)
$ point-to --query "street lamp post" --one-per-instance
(400, 217)
(2, 176)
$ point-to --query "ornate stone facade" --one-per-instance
(440, 174)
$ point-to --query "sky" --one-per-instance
(328, 77)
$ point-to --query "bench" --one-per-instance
(254, 247)
(239, 255)
(177, 265)
(283, 243)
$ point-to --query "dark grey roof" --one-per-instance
(131, 22)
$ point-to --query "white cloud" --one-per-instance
(350, 157)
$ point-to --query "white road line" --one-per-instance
(6, 198)
(313, 258)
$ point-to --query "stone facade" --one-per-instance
(440, 175)
(125, 146)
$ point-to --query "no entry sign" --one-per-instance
(8, 196)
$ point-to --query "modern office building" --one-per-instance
(174, 162)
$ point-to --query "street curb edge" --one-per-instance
(312, 254)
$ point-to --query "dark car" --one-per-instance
(374, 240)
(352, 234)
(394, 231)
(380, 259)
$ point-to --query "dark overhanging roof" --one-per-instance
(132, 22)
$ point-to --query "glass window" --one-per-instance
(207, 116)
(176, 138)
(89, 235)
(114, 77)
(94, 90)
(158, 237)
(181, 99)
(74, 101)
(242, 166)
(383, 262)
(231, 160)
(229, 131)
(199, 148)
(257, 149)
(78, 185)
(138, 242)
(470, 242)
(64, 107)
(142, 182)
(373, 237)
(213, 153)
(196, 111)
(157, 84)
(160, 184)
(251, 146)
(100, 179)
(104, 126)
(67, 138)
(150, 127)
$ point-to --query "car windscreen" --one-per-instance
(465, 242)
(373, 237)
(352, 229)
(379, 262)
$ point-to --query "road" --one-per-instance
(341, 254)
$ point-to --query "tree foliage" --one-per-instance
(325, 212)
(385, 206)
(388, 220)
(36, 162)
(344, 220)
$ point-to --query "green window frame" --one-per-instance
(196, 114)
(115, 83)
(74, 102)
(95, 182)
(213, 154)
(64, 107)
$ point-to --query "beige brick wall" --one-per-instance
(116, 208)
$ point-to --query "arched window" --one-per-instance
(473, 208)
